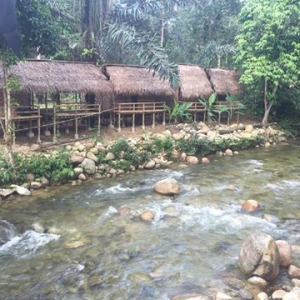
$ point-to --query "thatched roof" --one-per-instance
(224, 81)
(136, 80)
(194, 82)
(59, 76)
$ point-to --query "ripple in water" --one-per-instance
(26, 245)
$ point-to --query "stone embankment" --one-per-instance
(93, 159)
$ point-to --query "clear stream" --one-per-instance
(85, 249)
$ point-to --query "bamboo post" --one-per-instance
(39, 126)
(164, 118)
(133, 122)
(119, 122)
(99, 119)
(153, 120)
(54, 123)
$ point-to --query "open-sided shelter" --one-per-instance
(224, 82)
(45, 77)
(194, 86)
(138, 92)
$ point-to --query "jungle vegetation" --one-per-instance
(260, 38)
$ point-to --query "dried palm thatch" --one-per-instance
(136, 81)
(39, 76)
(194, 83)
(224, 82)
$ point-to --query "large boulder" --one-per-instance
(7, 231)
(168, 186)
(259, 256)
(89, 166)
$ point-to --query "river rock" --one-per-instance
(110, 156)
(89, 166)
(177, 136)
(228, 152)
(76, 159)
(150, 164)
(262, 296)
(259, 256)
(35, 185)
(250, 205)
(193, 160)
(278, 294)
(82, 177)
(285, 252)
(7, 231)
(249, 128)
(290, 296)
(294, 272)
(190, 297)
(147, 216)
(257, 281)
(6, 192)
(222, 296)
(205, 160)
(21, 190)
(92, 156)
(168, 186)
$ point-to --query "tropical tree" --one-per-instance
(268, 48)
(37, 30)
(205, 34)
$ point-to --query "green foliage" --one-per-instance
(209, 105)
(195, 145)
(57, 169)
(122, 150)
(268, 48)
(179, 112)
(164, 145)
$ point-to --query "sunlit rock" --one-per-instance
(21, 190)
(205, 160)
(278, 294)
(193, 160)
(250, 205)
(285, 252)
(147, 216)
(168, 186)
(228, 152)
(294, 272)
(76, 159)
(259, 256)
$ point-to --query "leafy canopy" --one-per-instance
(268, 45)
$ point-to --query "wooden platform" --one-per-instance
(24, 116)
(65, 113)
(139, 108)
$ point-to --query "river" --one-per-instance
(73, 243)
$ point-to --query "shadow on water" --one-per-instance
(75, 243)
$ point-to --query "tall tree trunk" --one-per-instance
(268, 103)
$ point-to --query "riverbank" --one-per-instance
(117, 153)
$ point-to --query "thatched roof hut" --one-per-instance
(129, 81)
(39, 76)
(224, 81)
(194, 83)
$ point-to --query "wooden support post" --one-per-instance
(133, 122)
(76, 128)
(143, 121)
(119, 122)
(99, 119)
(164, 118)
(111, 119)
(39, 127)
(153, 120)
(54, 123)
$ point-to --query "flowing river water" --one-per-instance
(85, 249)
